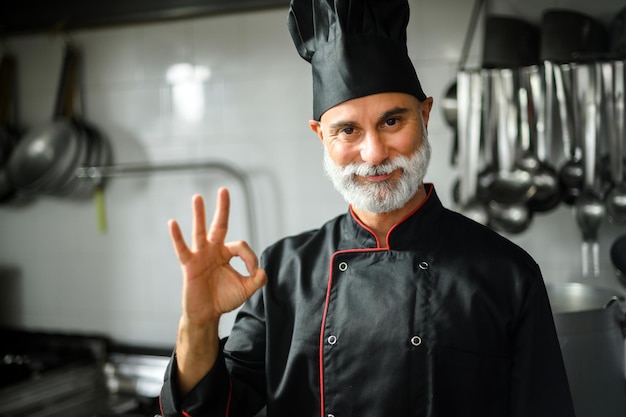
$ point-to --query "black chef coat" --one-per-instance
(451, 319)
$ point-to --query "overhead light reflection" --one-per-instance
(187, 90)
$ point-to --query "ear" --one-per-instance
(427, 106)
(317, 128)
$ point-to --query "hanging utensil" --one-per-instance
(571, 173)
(510, 216)
(449, 106)
(547, 194)
(511, 184)
(462, 129)
(9, 134)
(614, 94)
(490, 126)
(46, 156)
(471, 206)
(451, 101)
(589, 208)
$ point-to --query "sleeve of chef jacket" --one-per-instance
(539, 385)
(208, 398)
(235, 386)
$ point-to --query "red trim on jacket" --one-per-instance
(230, 396)
(161, 406)
(330, 284)
(186, 414)
(321, 350)
(327, 302)
(429, 191)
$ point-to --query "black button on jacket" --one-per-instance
(450, 320)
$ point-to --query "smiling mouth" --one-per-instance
(382, 176)
(378, 178)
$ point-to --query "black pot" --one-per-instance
(568, 36)
(510, 43)
(617, 35)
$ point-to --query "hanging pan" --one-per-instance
(46, 156)
(9, 134)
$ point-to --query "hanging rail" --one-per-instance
(99, 173)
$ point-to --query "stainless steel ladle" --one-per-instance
(489, 169)
(508, 211)
(589, 207)
(511, 185)
(537, 128)
(470, 83)
(571, 173)
(615, 199)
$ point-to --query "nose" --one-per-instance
(373, 148)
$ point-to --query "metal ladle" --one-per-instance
(450, 109)
(510, 216)
(511, 185)
(571, 174)
(536, 127)
(470, 83)
(490, 124)
(615, 199)
(589, 207)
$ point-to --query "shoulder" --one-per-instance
(322, 239)
(484, 246)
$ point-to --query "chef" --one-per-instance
(399, 307)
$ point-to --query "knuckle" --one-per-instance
(241, 244)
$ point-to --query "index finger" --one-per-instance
(219, 225)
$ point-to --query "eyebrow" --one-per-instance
(386, 115)
(341, 124)
(393, 112)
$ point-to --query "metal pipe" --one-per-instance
(98, 173)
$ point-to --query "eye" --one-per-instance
(347, 130)
(391, 121)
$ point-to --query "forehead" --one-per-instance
(372, 106)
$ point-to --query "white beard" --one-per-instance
(384, 196)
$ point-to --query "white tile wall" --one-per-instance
(251, 112)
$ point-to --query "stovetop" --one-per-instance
(65, 375)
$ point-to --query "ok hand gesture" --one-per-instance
(211, 286)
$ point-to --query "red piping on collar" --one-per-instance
(429, 191)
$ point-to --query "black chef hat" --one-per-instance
(355, 47)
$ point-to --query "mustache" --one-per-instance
(366, 169)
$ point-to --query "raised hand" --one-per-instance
(211, 287)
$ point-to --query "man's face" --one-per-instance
(376, 149)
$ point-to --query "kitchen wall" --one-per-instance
(231, 89)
